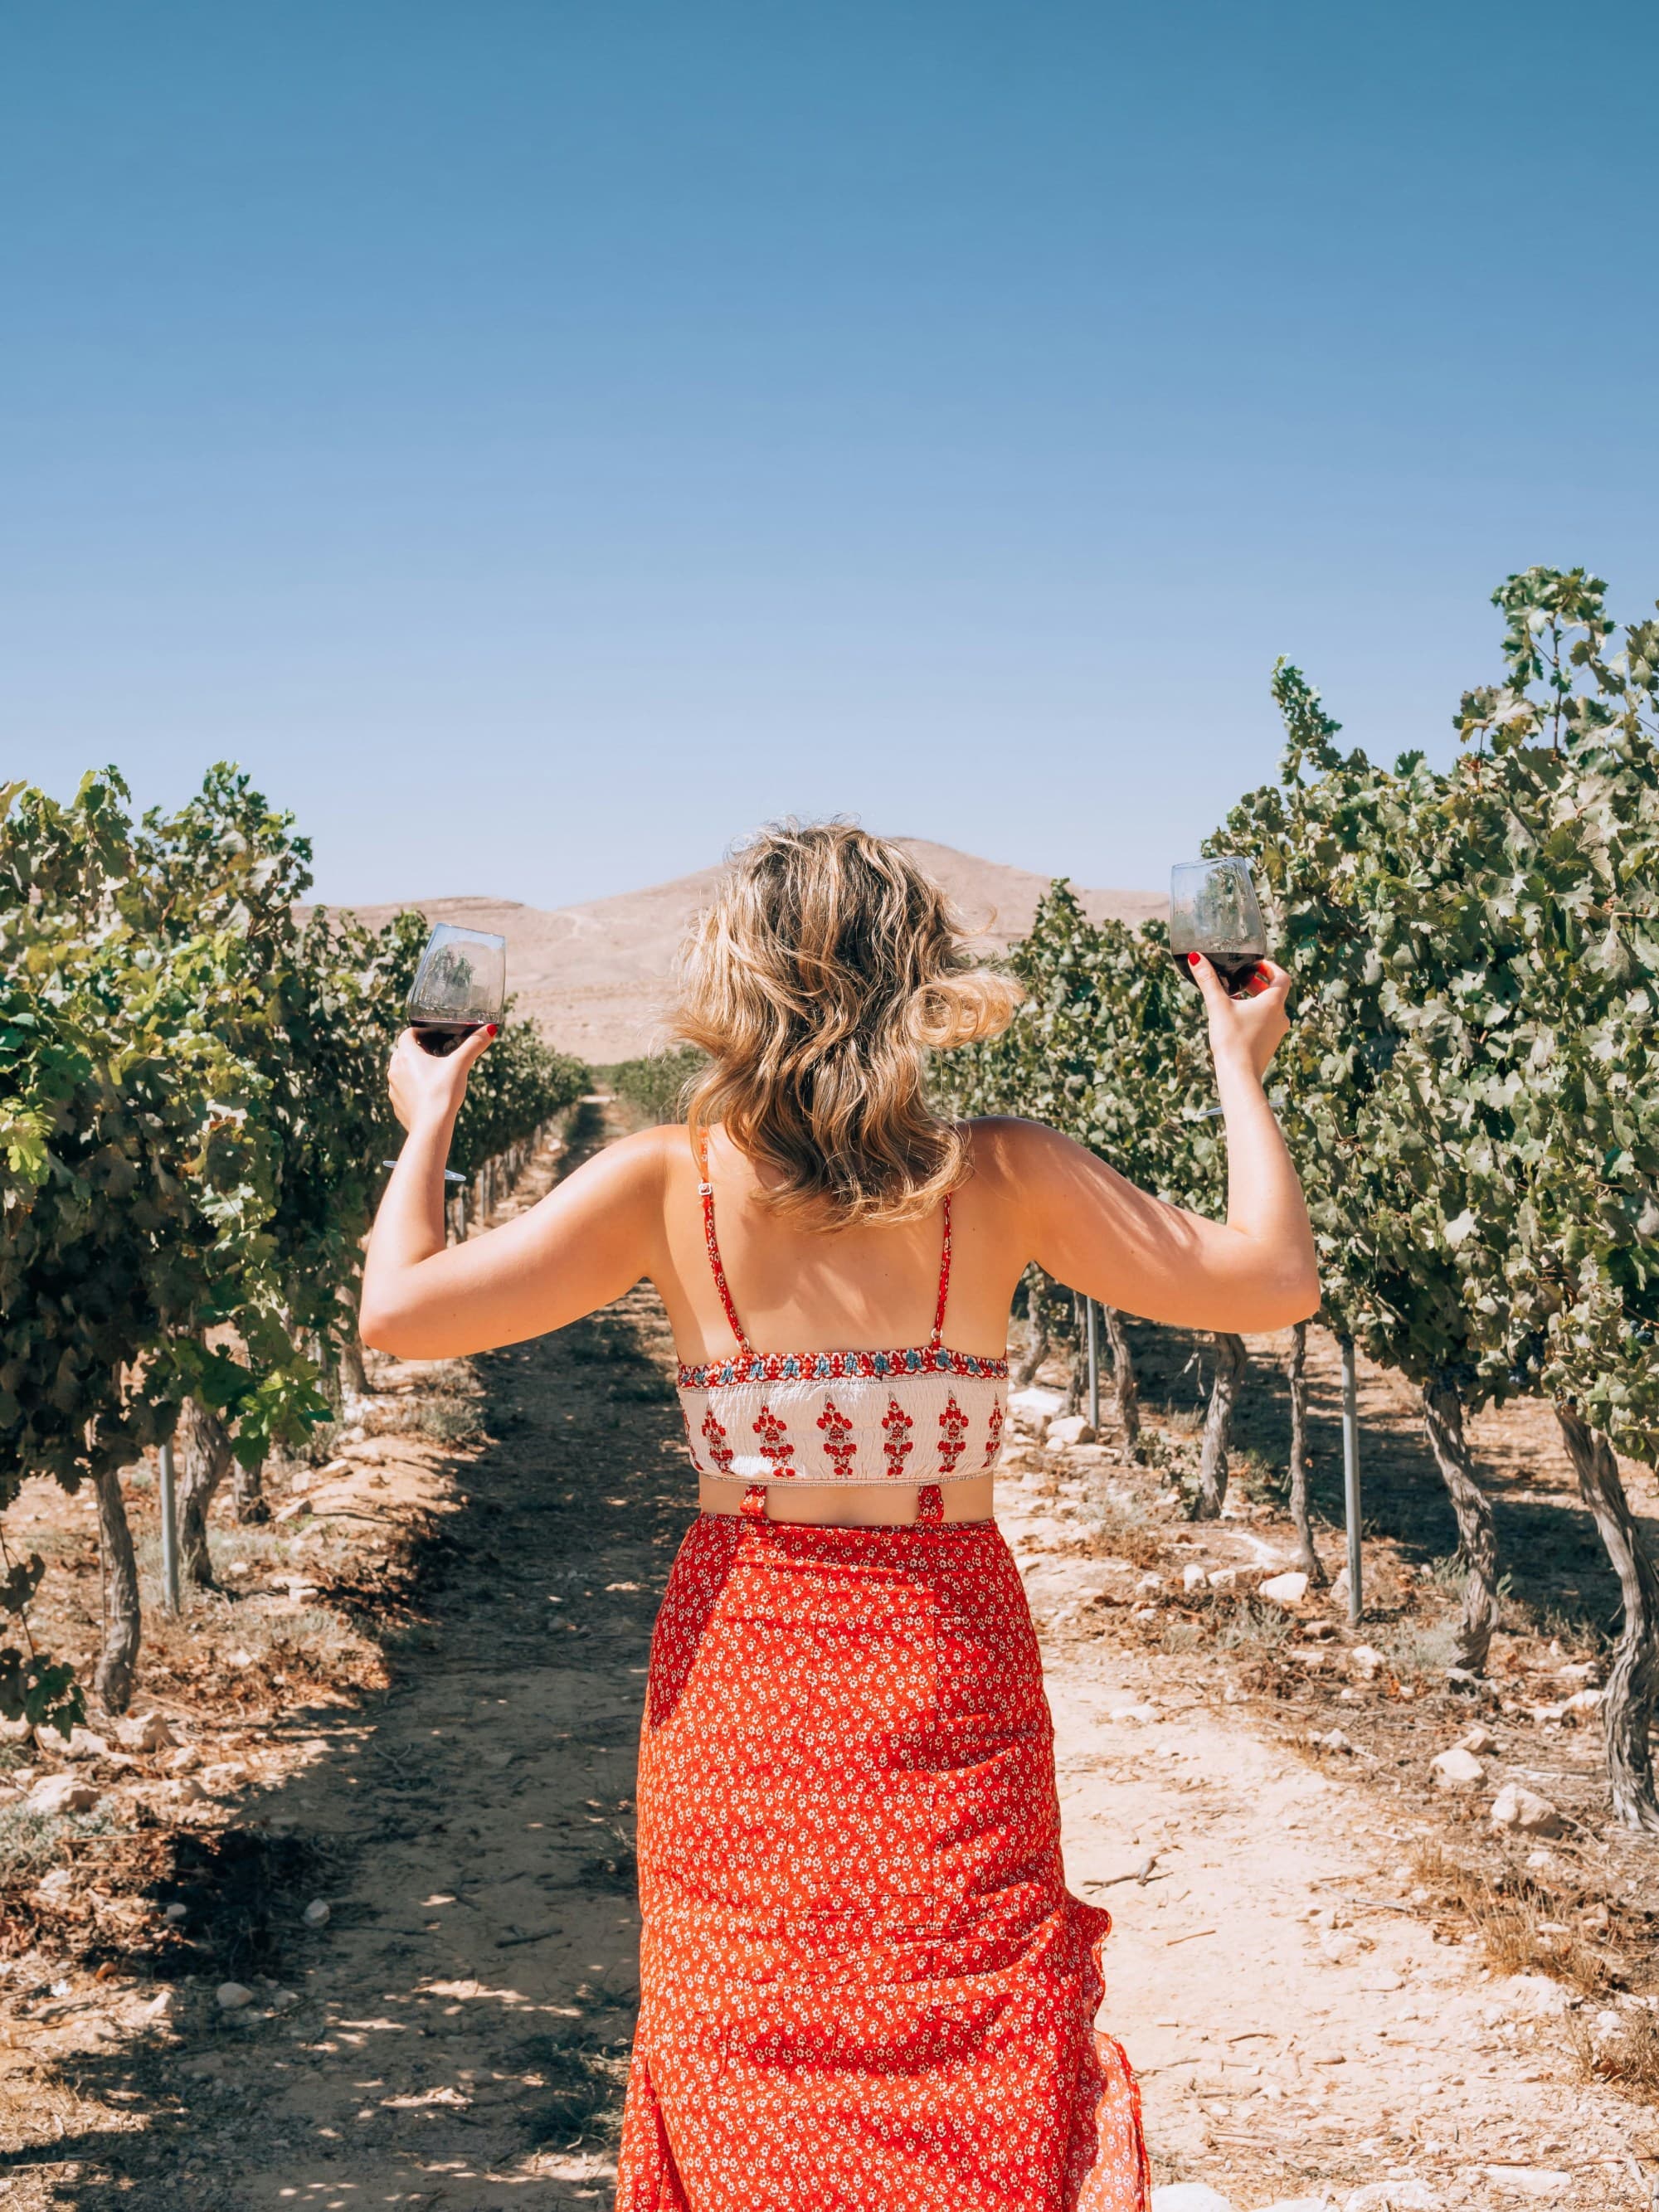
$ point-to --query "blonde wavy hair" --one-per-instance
(824, 967)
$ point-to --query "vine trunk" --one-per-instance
(1296, 1376)
(118, 1661)
(1631, 1695)
(1477, 1531)
(1231, 1364)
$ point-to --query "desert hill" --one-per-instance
(593, 975)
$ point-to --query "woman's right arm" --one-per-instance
(1089, 1228)
(587, 1242)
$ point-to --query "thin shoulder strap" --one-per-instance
(937, 1337)
(706, 1192)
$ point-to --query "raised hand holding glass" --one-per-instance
(1213, 910)
(459, 987)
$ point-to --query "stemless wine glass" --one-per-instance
(1213, 910)
(459, 986)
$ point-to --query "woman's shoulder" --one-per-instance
(1006, 1146)
(638, 1165)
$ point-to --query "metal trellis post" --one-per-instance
(169, 1534)
(1350, 1477)
(1094, 1365)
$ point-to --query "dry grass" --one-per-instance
(1418, 1647)
(1627, 2054)
(451, 1416)
(1120, 1527)
(1525, 1925)
(1249, 1627)
(1517, 1941)
(32, 1842)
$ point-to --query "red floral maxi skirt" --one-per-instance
(865, 1987)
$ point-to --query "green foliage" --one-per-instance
(1109, 1047)
(519, 1083)
(1470, 1082)
(654, 1086)
(193, 1115)
(1471, 1086)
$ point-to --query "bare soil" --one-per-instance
(418, 1706)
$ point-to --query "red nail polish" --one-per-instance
(494, 1030)
(1192, 959)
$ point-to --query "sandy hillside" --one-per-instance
(591, 975)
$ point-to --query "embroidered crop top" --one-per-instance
(921, 1414)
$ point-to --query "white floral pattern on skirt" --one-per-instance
(865, 1986)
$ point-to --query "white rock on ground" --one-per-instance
(1366, 1660)
(1457, 1769)
(1526, 1812)
(1530, 2181)
(1392, 2196)
(63, 1793)
(145, 1732)
(1480, 1739)
(1140, 1714)
(1285, 1590)
(1224, 1578)
(233, 1996)
(1190, 2197)
(80, 1743)
(1193, 1576)
(1536, 1996)
(317, 1914)
(1069, 1429)
(1036, 1407)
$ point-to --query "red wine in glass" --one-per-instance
(1213, 910)
(459, 987)
(441, 1038)
(1234, 974)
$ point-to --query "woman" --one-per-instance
(864, 1984)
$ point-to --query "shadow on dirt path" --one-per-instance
(459, 2027)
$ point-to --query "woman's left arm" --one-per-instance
(589, 1240)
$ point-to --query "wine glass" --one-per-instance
(1213, 910)
(459, 986)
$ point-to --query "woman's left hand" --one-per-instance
(426, 1089)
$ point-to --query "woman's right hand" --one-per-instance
(1249, 1029)
(425, 1087)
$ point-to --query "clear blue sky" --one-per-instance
(541, 440)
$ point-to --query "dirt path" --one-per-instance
(1299, 2032)
(465, 2021)
(456, 2034)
